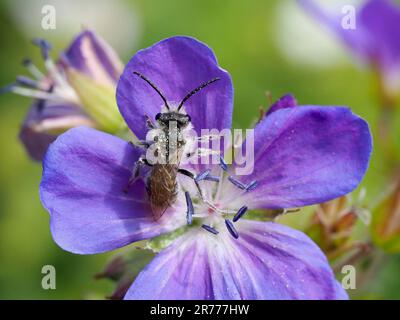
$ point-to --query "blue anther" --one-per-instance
(44, 46)
(190, 209)
(202, 175)
(240, 213)
(237, 183)
(8, 88)
(26, 62)
(231, 229)
(222, 163)
(28, 82)
(252, 185)
(212, 178)
(209, 229)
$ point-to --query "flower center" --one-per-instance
(208, 207)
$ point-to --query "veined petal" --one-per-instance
(176, 66)
(45, 120)
(268, 261)
(305, 155)
(94, 57)
(85, 175)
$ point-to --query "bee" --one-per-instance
(168, 145)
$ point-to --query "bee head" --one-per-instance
(181, 119)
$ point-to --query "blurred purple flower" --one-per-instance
(375, 39)
(303, 155)
(58, 105)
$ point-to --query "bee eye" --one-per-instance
(158, 115)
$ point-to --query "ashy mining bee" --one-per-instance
(167, 143)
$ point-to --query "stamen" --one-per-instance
(240, 213)
(285, 211)
(209, 229)
(219, 188)
(33, 69)
(63, 90)
(53, 70)
(231, 229)
(252, 185)
(28, 82)
(212, 178)
(222, 163)
(26, 62)
(44, 46)
(7, 88)
(190, 210)
(237, 183)
(202, 175)
(33, 93)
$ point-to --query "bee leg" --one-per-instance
(144, 143)
(136, 172)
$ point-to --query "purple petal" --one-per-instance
(286, 101)
(379, 23)
(93, 56)
(85, 173)
(176, 66)
(376, 37)
(268, 261)
(357, 40)
(305, 155)
(44, 121)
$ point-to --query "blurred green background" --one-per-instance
(265, 45)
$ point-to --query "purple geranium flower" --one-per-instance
(303, 155)
(375, 38)
(58, 105)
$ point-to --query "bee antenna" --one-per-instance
(194, 91)
(153, 86)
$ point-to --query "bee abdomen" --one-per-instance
(162, 188)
